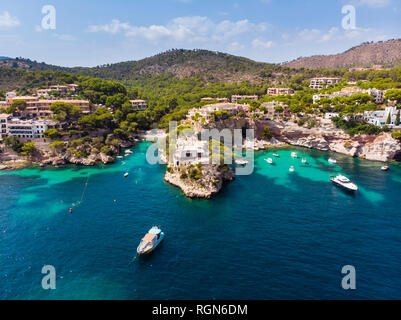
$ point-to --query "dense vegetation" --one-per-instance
(353, 127)
(170, 95)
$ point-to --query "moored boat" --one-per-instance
(269, 160)
(126, 174)
(345, 183)
(276, 155)
(292, 169)
(303, 160)
(294, 155)
(385, 168)
(332, 160)
(150, 241)
(128, 152)
(241, 162)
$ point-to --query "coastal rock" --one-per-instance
(326, 137)
(382, 148)
(104, 158)
(211, 180)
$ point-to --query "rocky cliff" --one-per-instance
(199, 181)
(325, 136)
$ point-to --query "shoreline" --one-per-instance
(22, 163)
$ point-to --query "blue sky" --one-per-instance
(95, 32)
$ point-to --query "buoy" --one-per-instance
(70, 210)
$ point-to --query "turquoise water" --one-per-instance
(270, 235)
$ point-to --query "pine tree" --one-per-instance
(388, 118)
(397, 119)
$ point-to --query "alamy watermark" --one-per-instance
(49, 280)
(349, 280)
(209, 146)
(49, 19)
(349, 20)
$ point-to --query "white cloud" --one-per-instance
(373, 3)
(337, 34)
(187, 29)
(260, 44)
(8, 21)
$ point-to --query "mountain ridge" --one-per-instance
(213, 66)
(386, 53)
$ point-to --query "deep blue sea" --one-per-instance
(269, 235)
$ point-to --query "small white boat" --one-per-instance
(126, 174)
(385, 168)
(150, 241)
(332, 160)
(269, 160)
(345, 183)
(241, 162)
(276, 155)
(119, 157)
(294, 155)
(128, 152)
(292, 169)
(303, 160)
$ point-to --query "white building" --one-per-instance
(320, 83)
(279, 91)
(237, 97)
(329, 115)
(4, 118)
(191, 151)
(207, 110)
(139, 104)
(271, 108)
(28, 129)
(380, 117)
(378, 95)
(319, 96)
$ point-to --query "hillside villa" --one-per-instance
(191, 150)
(237, 97)
(320, 83)
(62, 89)
(279, 91)
(381, 117)
(378, 95)
(36, 107)
(207, 110)
(272, 109)
(139, 104)
(24, 129)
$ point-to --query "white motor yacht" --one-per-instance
(344, 182)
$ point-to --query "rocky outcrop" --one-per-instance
(325, 136)
(65, 158)
(207, 181)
